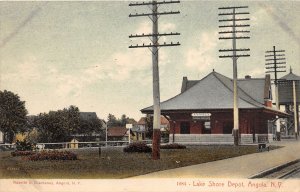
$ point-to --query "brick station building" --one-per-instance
(203, 111)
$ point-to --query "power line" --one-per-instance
(272, 64)
(235, 33)
(154, 47)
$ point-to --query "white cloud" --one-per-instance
(126, 64)
(167, 27)
(203, 56)
(33, 73)
(68, 85)
(144, 27)
(259, 17)
(29, 69)
(119, 66)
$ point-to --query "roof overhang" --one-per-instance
(276, 112)
(189, 111)
(150, 111)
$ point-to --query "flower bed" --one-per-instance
(53, 155)
(173, 146)
(22, 153)
(138, 147)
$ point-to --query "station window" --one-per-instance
(184, 128)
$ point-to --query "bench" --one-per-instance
(263, 143)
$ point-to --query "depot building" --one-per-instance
(203, 111)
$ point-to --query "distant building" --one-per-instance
(118, 133)
(203, 111)
(88, 115)
(140, 129)
(286, 99)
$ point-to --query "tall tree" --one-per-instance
(57, 126)
(123, 120)
(12, 115)
(88, 127)
(112, 121)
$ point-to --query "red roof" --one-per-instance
(116, 131)
(142, 121)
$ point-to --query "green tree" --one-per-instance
(12, 115)
(57, 126)
(112, 121)
(71, 119)
(124, 120)
(88, 127)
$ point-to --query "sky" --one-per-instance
(57, 54)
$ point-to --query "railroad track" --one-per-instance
(290, 171)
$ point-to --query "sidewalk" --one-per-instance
(237, 167)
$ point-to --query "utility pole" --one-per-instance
(154, 47)
(295, 110)
(275, 63)
(234, 23)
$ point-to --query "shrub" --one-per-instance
(22, 153)
(173, 146)
(138, 147)
(53, 155)
(24, 146)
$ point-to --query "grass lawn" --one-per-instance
(114, 163)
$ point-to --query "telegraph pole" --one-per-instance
(295, 110)
(233, 23)
(275, 63)
(154, 47)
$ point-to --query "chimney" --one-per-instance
(247, 77)
(268, 103)
(184, 84)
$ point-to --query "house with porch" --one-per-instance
(203, 111)
(140, 128)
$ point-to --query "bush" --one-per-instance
(22, 153)
(173, 146)
(138, 147)
(53, 155)
(24, 146)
